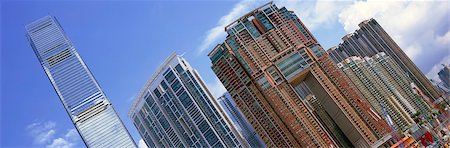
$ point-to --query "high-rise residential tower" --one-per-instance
(243, 127)
(175, 109)
(90, 111)
(370, 39)
(267, 60)
(386, 88)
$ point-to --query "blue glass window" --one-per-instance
(179, 68)
(157, 93)
(170, 76)
(261, 17)
(253, 31)
(176, 85)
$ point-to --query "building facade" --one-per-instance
(325, 119)
(267, 59)
(387, 90)
(238, 120)
(444, 75)
(175, 109)
(371, 39)
(90, 111)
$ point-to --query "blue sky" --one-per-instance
(123, 43)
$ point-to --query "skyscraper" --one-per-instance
(175, 109)
(444, 75)
(238, 120)
(387, 90)
(371, 39)
(267, 60)
(444, 84)
(90, 111)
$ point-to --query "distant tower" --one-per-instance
(91, 112)
(176, 109)
(245, 129)
(371, 39)
(444, 84)
(444, 75)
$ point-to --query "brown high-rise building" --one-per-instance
(270, 63)
(371, 39)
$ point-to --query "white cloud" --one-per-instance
(445, 39)
(130, 99)
(216, 88)
(45, 134)
(412, 24)
(60, 143)
(72, 134)
(142, 144)
(413, 50)
(359, 11)
(315, 14)
(42, 132)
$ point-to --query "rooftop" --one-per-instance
(248, 14)
(141, 93)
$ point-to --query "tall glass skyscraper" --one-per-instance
(90, 111)
(244, 128)
(175, 109)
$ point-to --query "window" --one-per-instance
(164, 85)
(53, 60)
(179, 68)
(185, 99)
(264, 20)
(170, 76)
(176, 85)
(157, 93)
(251, 29)
(164, 123)
(149, 99)
(211, 137)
